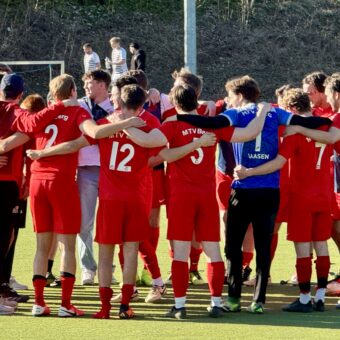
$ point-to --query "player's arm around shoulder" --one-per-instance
(13, 141)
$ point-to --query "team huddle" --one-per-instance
(136, 149)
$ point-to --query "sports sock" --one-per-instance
(154, 237)
(50, 266)
(180, 278)
(158, 282)
(127, 291)
(67, 283)
(195, 254)
(105, 294)
(246, 258)
(305, 298)
(216, 301)
(150, 259)
(215, 275)
(180, 302)
(304, 273)
(322, 269)
(273, 246)
(320, 294)
(39, 283)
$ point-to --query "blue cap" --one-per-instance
(12, 85)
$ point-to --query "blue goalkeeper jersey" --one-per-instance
(260, 150)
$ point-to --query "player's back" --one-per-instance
(65, 127)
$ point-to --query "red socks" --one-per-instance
(215, 274)
(273, 246)
(39, 283)
(246, 258)
(154, 237)
(149, 257)
(322, 269)
(195, 254)
(304, 273)
(180, 278)
(105, 294)
(67, 283)
(127, 291)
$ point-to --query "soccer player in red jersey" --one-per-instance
(50, 201)
(192, 201)
(309, 213)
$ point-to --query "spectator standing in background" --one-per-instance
(138, 57)
(118, 59)
(91, 58)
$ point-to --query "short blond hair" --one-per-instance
(61, 87)
(115, 40)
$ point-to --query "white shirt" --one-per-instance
(91, 61)
(118, 54)
(89, 155)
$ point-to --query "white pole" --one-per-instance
(190, 53)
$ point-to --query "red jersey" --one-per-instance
(309, 181)
(195, 171)
(322, 112)
(201, 110)
(63, 128)
(124, 165)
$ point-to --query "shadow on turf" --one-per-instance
(197, 300)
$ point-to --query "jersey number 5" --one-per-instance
(122, 166)
(199, 159)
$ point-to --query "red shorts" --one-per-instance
(223, 189)
(193, 212)
(55, 206)
(306, 226)
(158, 196)
(336, 206)
(282, 215)
(121, 221)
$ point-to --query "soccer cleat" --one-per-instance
(177, 313)
(41, 310)
(69, 312)
(168, 280)
(146, 279)
(255, 308)
(126, 312)
(232, 305)
(333, 288)
(87, 277)
(251, 282)
(319, 306)
(215, 312)
(155, 294)
(196, 279)
(11, 295)
(299, 307)
(246, 271)
(6, 310)
(14, 284)
(134, 297)
(294, 280)
(5, 302)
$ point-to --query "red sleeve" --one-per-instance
(90, 140)
(225, 134)
(168, 129)
(31, 123)
(288, 146)
(82, 115)
(220, 104)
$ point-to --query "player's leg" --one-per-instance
(180, 274)
(105, 277)
(237, 225)
(215, 275)
(52, 281)
(67, 244)
(87, 181)
(130, 251)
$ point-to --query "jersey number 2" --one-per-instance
(122, 164)
(52, 139)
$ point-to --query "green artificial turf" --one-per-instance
(150, 322)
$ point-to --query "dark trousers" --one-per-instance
(9, 195)
(259, 207)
